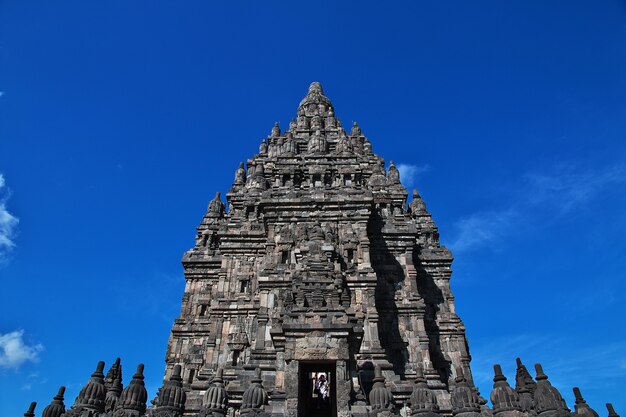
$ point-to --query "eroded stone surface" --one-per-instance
(318, 257)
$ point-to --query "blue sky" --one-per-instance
(120, 120)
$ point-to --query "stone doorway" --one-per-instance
(317, 396)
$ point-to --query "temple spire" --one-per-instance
(315, 106)
(548, 400)
(113, 384)
(464, 399)
(611, 410)
(93, 394)
(581, 408)
(56, 407)
(171, 396)
(503, 397)
(31, 410)
(381, 397)
(134, 396)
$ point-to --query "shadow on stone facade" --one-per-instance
(433, 298)
(390, 276)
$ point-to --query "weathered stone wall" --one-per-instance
(318, 240)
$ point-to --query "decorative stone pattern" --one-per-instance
(315, 258)
(318, 257)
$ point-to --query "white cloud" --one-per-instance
(14, 351)
(548, 195)
(484, 228)
(569, 186)
(409, 173)
(8, 223)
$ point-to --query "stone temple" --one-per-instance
(316, 269)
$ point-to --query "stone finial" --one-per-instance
(316, 87)
(255, 396)
(257, 178)
(56, 407)
(541, 376)
(612, 412)
(548, 400)
(314, 104)
(503, 398)
(134, 396)
(263, 148)
(171, 397)
(216, 397)
(276, 130)
(581, 408)
(356, 130)
(423, 401)
(393, 175)
(330, 120)
(343, 145)
(240, 175)
(525, 386)
(464, 399)
(317, 143)
(523, 379)
(417, 207)
(114, 373)
(380, 396)
(216, 207)
(93, 394)
(367, 146)
(31, 410)
(113, 384)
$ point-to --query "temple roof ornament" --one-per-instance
(317, 143)
(581, 408)
(611, 410)
(134, 396)
(548, 400)
(393, 175)
(275, 130)
(240, 175)
(465, 399)
(255, 396)
(216, 397)
(31, 410)
(315, 103)
(257, 180)
(114, 376)
(423, 400)
(216, 206)
(93, 394)
(504, 399)
(113, 384)
(380, 397)
(343, 145)
(417, 206)
(356, 130)
(56, 407)
(170, 401)
(523, 379)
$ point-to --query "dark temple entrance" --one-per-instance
(317, 396)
